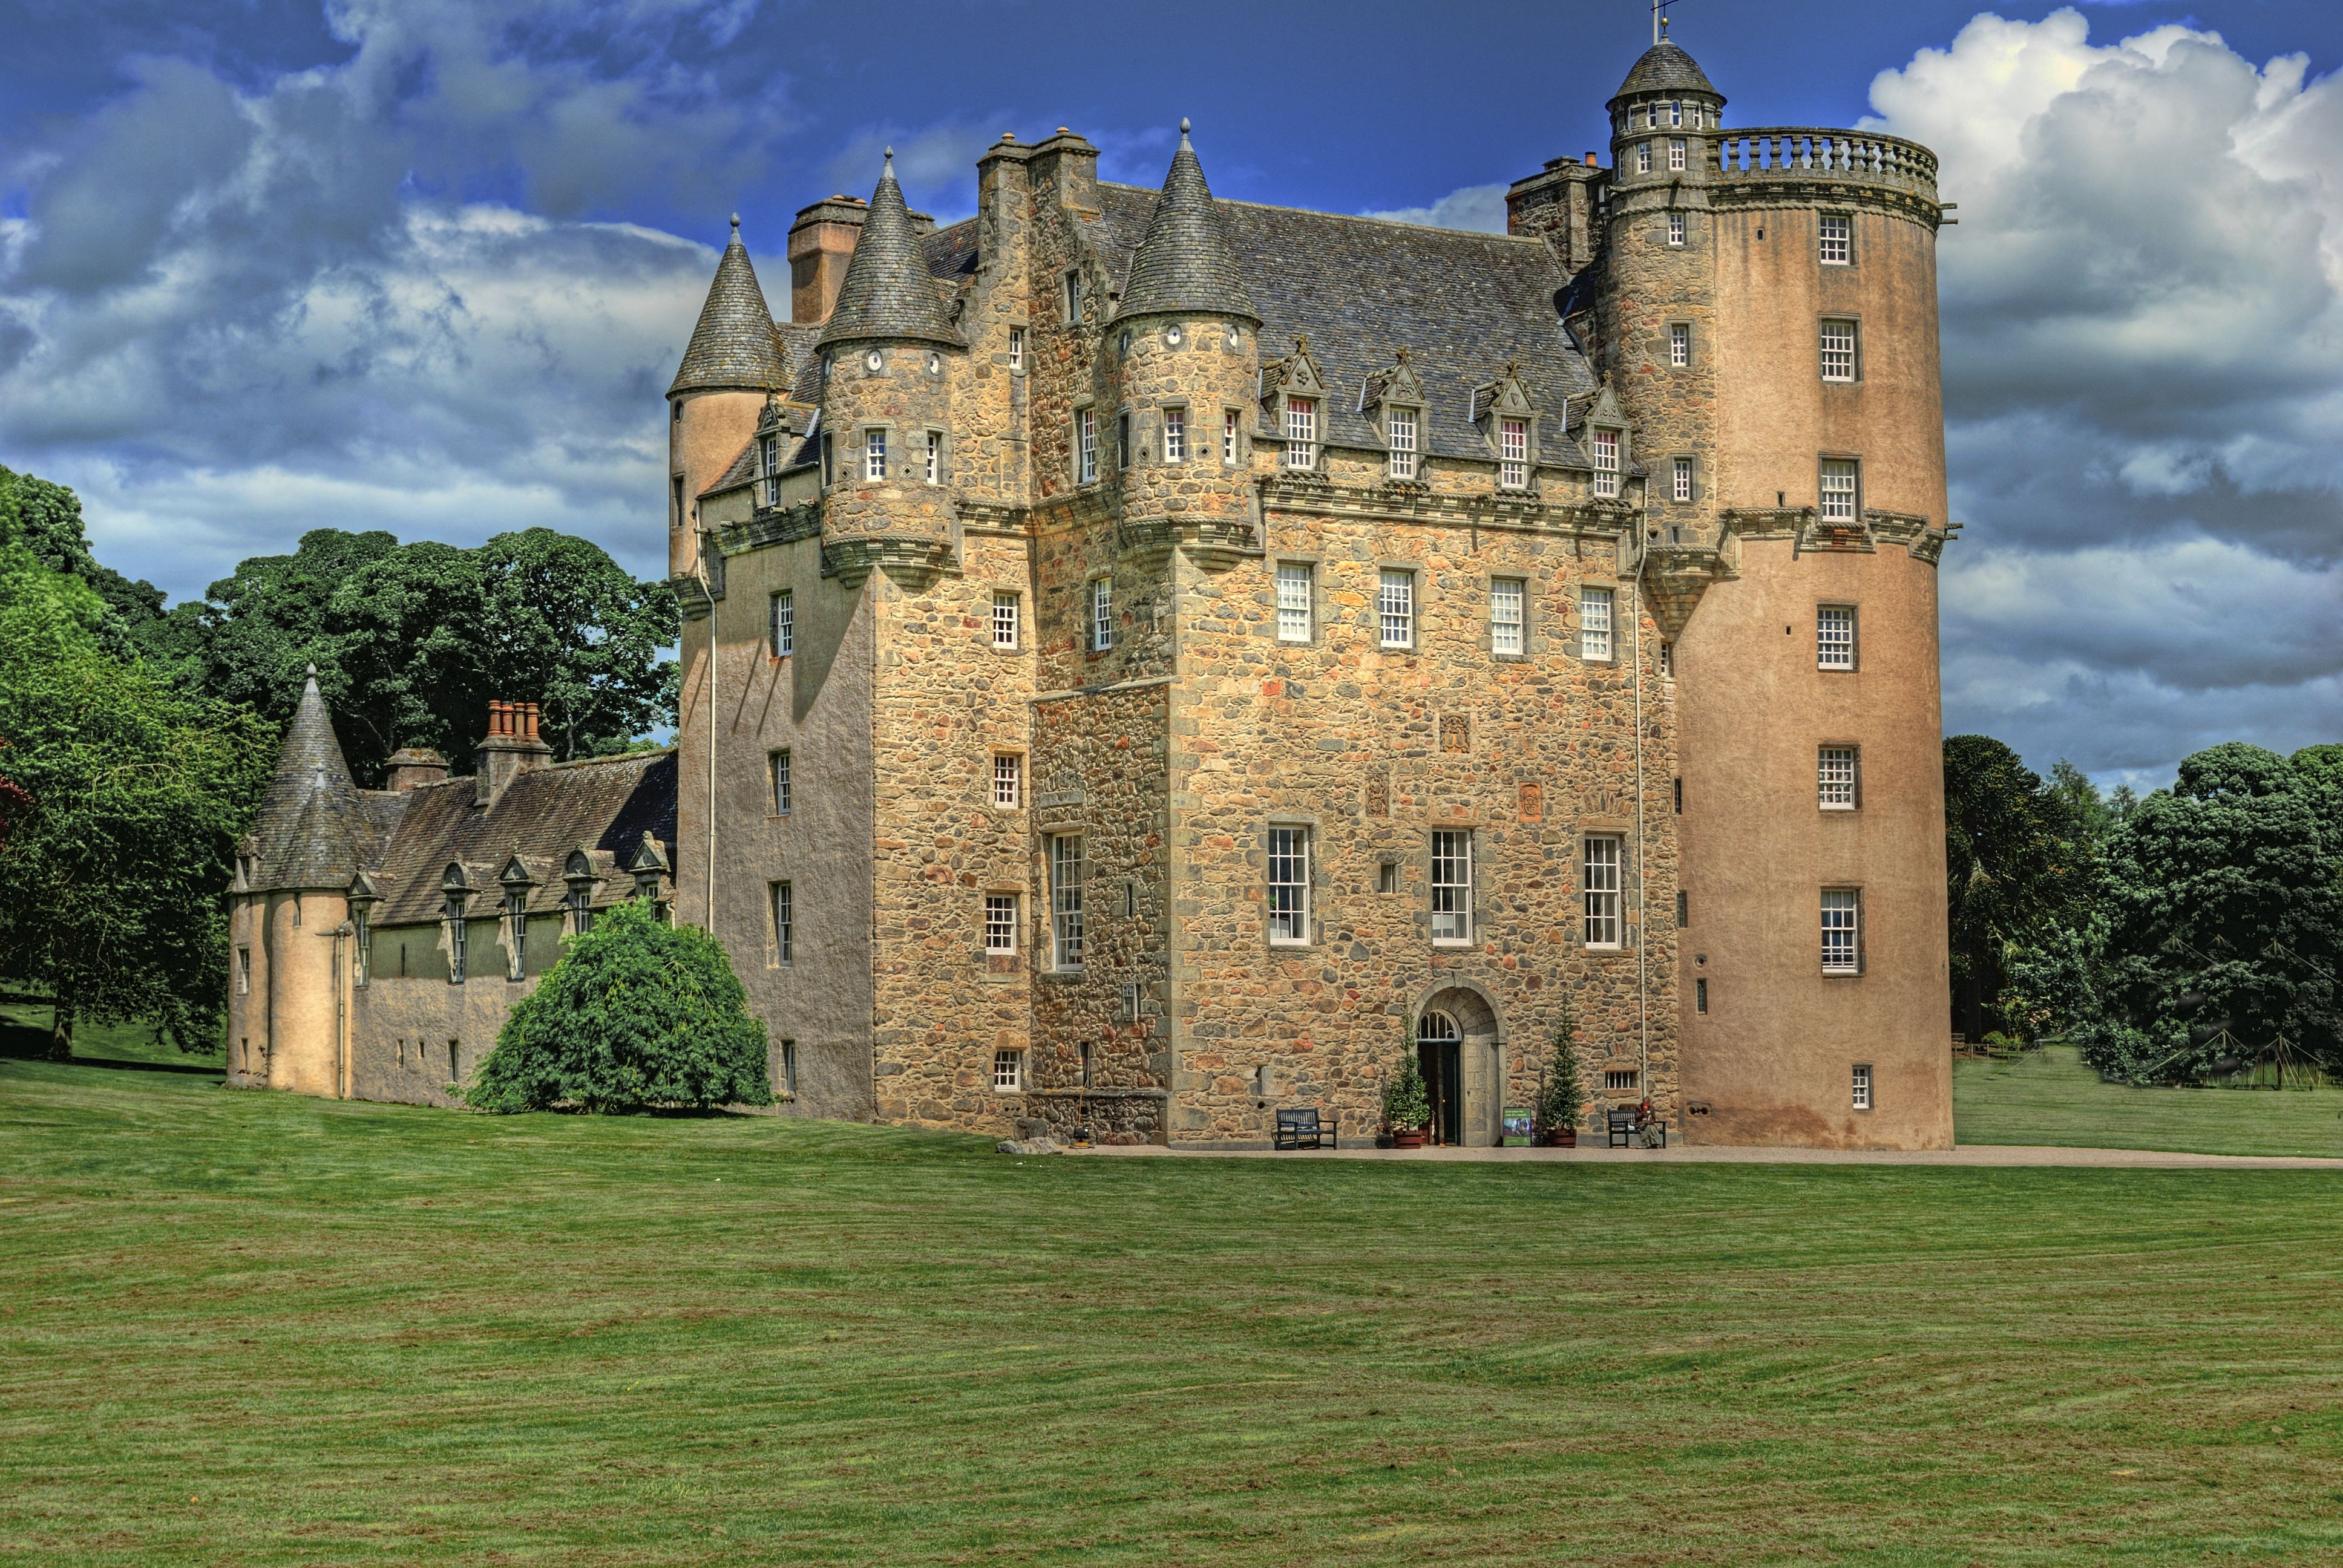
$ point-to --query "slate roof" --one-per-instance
(1183, 263)
(1664, 69)
(735, 344)
(311, 832)
(1462, 303)
(605, 804)
(890, 290)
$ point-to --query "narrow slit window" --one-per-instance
(785, 923)
(1016, 350)
(1073, 296)
(1680, 344)
(1293, 607)
(1086, 444)
(1066, 901)
(1102, 614)
(1123, 441)
(1228, 435)
(784, 625)
(1402, 444)
(789, 1068)
(935, 474)
(781, 784)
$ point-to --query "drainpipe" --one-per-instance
(1643, 909)
(707, 898)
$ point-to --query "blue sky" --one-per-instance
(426, 264)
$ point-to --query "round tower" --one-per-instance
(1770, 320)
(890, 352)
(1186, 350)
(734, 361)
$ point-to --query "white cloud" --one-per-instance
(1481, 207)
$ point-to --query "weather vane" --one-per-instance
(1660, 19)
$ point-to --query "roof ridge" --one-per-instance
(1347, 216)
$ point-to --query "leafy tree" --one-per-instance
(412, 641)
(1407, 1099)
(2015, 871)
(2224, 907)
(45, 519)
(636, 1013)
(1563, 1094)
(134, 795)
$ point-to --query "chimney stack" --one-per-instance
(821, 242)
(412, 766)
(510, 748)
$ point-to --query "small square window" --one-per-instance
(1619, 1080)
(1007, 781)
(874, 454)
(1387, 877)
(1004, 619)
(1680, 480)
(1293, 602)
(1175, 434)
(1861, 1086)
(1680, 345)
(1675, 228)
(1009, 1071)
(1836, 239)
(1016, 350)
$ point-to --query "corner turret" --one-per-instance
(734, 359)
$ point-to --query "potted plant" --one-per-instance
(1564, 1095)
(1407, 1104)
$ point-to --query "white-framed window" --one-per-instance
(516, 934)
(1301, 432)
(1508, 601)
(1066, 901)
(1836, 238)
(1514, 453)
(1644, 157)
(1122, 440)
(459, 931)
(1680, 345)
(789, 1068)
(1086, 444)
(1008, 1072)
(1452, 886)
(1601, 890)
(1680, 480)
(1842, 931)
(1676, 117)
(1838, 351)
(1008, 780)
(783, 624)
(777, 767)
(1835, 637)
(1293, 601)
(1102, 614)
(769, 463)
(935, 474)
(785, 924)
(1595, 607)
(1288, 884)
(874, 454)
(1402, 443)
(1072, 295)
(1841, 483)
(1175, 434)
(1677, 150)
(1835, 775)
(1016, 350)
(1607, 462)
(1001, 922)
(1677, 230)
(1620, 1079)
(1861, 1086)
(1228, 435)
(243, 971)
(1395, 609)
(1004, 618)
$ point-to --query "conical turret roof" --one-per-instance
(889, 291)
(735, 344)
(1185, 262)
(1665, 69)
(307, 833)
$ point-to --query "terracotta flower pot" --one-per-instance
(1407, 1138)
(1566, 1139)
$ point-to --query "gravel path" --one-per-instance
(1699, 1153)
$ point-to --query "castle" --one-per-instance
(1150, 660)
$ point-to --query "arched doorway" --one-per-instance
(1457, 1048)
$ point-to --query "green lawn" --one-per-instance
(246, 1328)
(2048, 1096)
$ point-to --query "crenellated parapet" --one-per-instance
(1795, 166)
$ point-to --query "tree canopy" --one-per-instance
(2018, 867)
(636, 1013)
(128, 799)
(45, 519)
(413, 641)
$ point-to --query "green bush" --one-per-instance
(636, 1013)
(1407, 1103)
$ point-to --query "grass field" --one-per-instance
(2048, 1096)
(250, 1328)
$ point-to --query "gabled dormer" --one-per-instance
(1393, 400)
(1293, 408)
(1601, 432)
(1507, 420)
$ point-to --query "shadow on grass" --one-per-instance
(19, 1042)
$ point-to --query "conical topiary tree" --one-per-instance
(1407, 1103)
(1564, 1095)
(636, 1013)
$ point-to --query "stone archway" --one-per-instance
(1460, 1049)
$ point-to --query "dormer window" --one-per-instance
(1514, 454)
(1301, 432)
(769, 458)
(1401, 426)
(1606, 463)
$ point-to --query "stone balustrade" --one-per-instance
(1790, 152)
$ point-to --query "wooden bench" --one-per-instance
(1301, 1129)
(1625, 1134)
